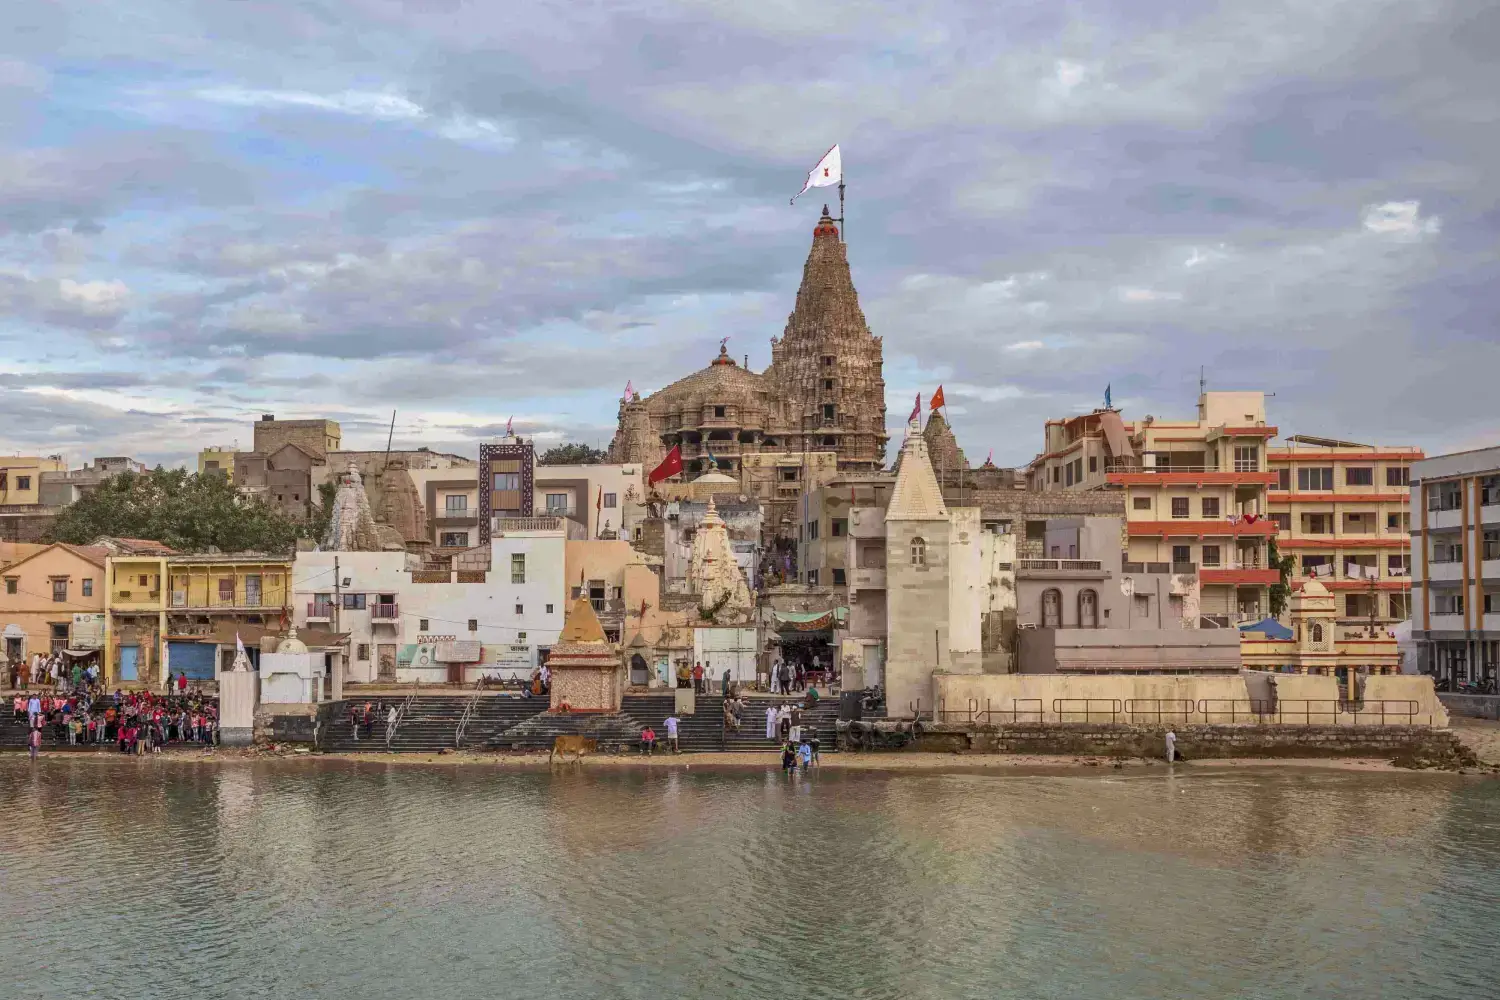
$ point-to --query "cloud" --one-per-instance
(1400, 218)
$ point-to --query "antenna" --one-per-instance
(1202, 382)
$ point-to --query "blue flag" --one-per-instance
(1106, 397)
(711, 458)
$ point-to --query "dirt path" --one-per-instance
(1480, 735)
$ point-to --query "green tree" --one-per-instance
(571, 454)
(189, 512)
(1281, 591)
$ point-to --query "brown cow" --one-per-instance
(575, 745)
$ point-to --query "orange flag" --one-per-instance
(937, 400)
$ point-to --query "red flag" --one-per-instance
(508, 431)
(669, 467)
(937, 400)
(916, 411)
(599, 503)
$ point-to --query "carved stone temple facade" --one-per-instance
(823, 393)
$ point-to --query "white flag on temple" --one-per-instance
(828, 173)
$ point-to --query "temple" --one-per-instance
(823, 393)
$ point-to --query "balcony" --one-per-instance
(1445, 572)
(867, 578)
(500, 526)
(1061, 569)
(384, 614)
(1263, 527)
(1129, 472)
(867, 522)
(1239, 577)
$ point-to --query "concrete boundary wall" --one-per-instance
(1193, 742)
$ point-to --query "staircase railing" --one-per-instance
(469, 707)
(401, 713)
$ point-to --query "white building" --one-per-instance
(406, 622)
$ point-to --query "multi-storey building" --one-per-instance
(1196, 493)
(1455, 544)
(217, 459)
(21, 477)
(50, 598)
(1341, 511)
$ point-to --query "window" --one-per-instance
(840, 527)
(838, 577)
(362, 651)
(719, 411)
(453, 539)
(827, 411)
(422, 625)
(1140, 503)
(1283, 479)
(1320, 478)
(520, 609)
(1180, 507)
(1359, 475)
(226, 590)
(549, 609)
(1400, 606)
(473, 624)
(557, 503)
(830, 441)
(1052, 608)
(354, 602)
(1247, 458)
(1056, 474)
(1182, 555)
(1445, 496)
(1447, 552)
(1210, 506)
(812, 578)
(611, 500)
(596, 594)
(1315, 632)
(1397, 475)
(1088, 609)
(10, 584)
(1143, 605)
(1056, 552)
(828, 383)
(1317, 566)
(60, 590)
(1317, 524)
(456, 503)
(918, 552)
(144, 580)
(1448, 604)
(1399, 523)
(1283, 522)
(1398, 565)
(812, 530)
(1210, 555)
(1093, 463)
(23, 482)
(1491, 548)
(507, 481)
(1068, 474)
(1489, 491)
(518, 567)
(827, 360)
(88, 588)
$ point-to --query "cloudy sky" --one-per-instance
(465, 211)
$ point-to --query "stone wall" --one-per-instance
(1473, 706)
(1193, 742)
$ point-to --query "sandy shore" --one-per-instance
(929, 763)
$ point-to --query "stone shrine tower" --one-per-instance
(715, 575)
(917, 528)
(587, 675)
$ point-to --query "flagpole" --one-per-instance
(844, 236)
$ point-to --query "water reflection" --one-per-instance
(160, 879)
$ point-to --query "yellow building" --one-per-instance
(1342, 510)
(1196, 500)
(188, 625)
(51, 600)
(217, 459)
(21, 478)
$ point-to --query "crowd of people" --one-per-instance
(52, 672)
(791, 678)
(139, 722)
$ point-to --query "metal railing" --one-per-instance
(469, 706)
(992, 716)
(401, 713)
(1087, 707)
(1159, 709)
(384, 611)
(1060, 564)
(1183, 711)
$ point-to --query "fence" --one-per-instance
(1184, 711)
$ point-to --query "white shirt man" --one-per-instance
(1171, 746)
(770, 722)
(671, 724)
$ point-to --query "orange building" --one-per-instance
(1342, 511)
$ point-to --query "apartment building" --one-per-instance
(1455, 544)
(21, 477)
(1196, 494)
(1342, 512)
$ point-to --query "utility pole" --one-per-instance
(338, 663)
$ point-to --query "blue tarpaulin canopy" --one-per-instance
(1269, 627)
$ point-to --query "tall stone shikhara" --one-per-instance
(824, 390)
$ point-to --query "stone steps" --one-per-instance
(430, 725)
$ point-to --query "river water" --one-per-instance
(160, 879)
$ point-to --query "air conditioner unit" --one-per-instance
(1026, 625)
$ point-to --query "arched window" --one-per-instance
(918, 552)
(1088, 609)
(1317, 632)
(1052, 608)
